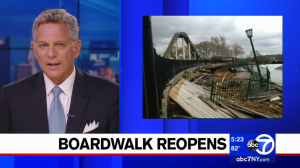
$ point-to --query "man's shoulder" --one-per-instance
(98, 81)
(25, 82)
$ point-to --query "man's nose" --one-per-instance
(51, 51)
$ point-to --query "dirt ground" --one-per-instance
(220, 75)
(261, 107)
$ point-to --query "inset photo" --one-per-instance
(224, 67)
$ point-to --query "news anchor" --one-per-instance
(61, 98)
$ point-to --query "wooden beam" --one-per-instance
(277, 87)
(268, 98)
(185, 95)
(254, 112)
(235, 113)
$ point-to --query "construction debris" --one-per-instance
(186, 93)
(193, 95)
(268, 98)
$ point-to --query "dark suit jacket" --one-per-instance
(23, 107)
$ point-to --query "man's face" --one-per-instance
(54, 51)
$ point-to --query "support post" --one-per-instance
(183, 48)
(212, 90)
(189, 51)
(249, 89)
(176, 51)
(268, 79)
(262, 84)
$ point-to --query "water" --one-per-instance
(276, 75)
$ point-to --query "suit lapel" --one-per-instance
(78, 103)
(37, 96)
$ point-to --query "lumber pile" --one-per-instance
(186, 95)
(210, 68)
(247, 111)
(194, 99)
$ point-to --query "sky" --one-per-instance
(267, 31)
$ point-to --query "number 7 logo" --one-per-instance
(267, 141)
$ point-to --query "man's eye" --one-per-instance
(60, 44)
(43, 45)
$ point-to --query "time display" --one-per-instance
(237, 139)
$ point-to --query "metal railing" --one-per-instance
(238, 89)
(231, 89)
(166, 69)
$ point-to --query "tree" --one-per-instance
(215, 43)
(204, 48)
(237, 50)
(224, 48)
(173, 52)
(256, 52)
(219, 46)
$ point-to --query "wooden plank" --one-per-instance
(227, 112)
(199, 78)
(277, 103)
(197, 88)
(186, 93)
(204, 99)
(271, 97)
(200, 109)
(182, 104)
(200, 105)
(195, 91)
(196, 107)
(230, 110)
(208, 103)
(258, 113)
(277, 87)
(190, 109)
(237, 114)
(273, 109)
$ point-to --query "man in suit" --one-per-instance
(61, 98)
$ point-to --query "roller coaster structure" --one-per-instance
(187, 40)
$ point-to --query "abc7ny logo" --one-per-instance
(265, 139)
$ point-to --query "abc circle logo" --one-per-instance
(253, 145)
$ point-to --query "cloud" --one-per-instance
(267, 31)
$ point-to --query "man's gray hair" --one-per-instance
(54, 16)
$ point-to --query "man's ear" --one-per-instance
(33, 49)
(77, 48)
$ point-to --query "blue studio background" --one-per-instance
(99, 33)
(131, 12)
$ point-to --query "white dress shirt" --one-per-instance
(65, 96)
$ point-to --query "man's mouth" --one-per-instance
(53, 65)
